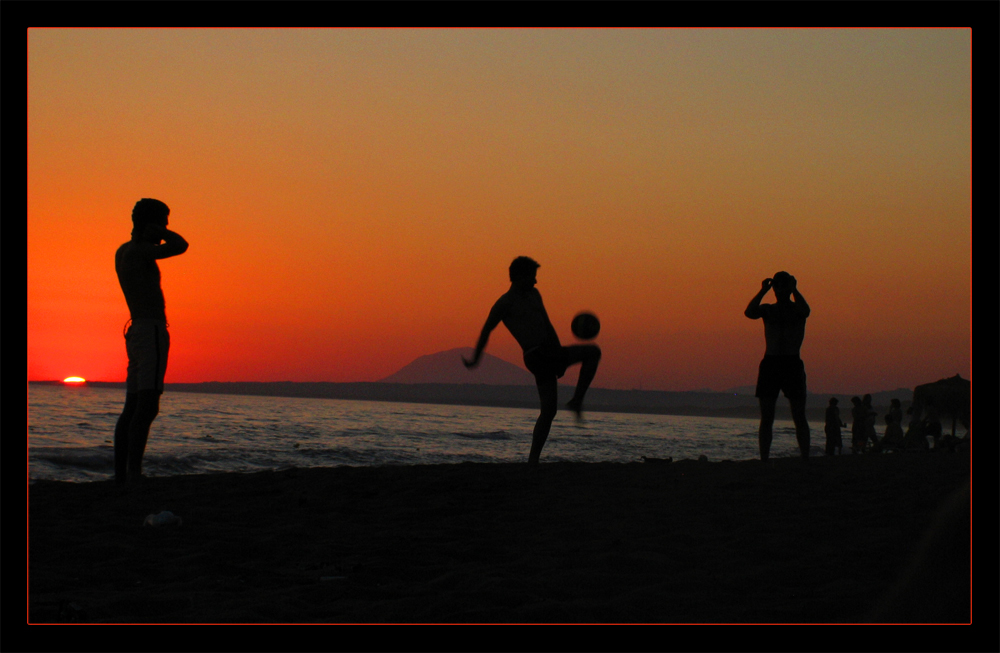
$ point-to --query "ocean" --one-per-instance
(71, 434)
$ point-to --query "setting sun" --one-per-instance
(74, 379)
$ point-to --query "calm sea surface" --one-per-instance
(71, 431)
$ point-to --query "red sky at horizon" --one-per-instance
(352, 198)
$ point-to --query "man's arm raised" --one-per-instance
(753, 308)
(800, 301)
(494, 318)
(173, 242)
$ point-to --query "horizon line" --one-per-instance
(701, 390)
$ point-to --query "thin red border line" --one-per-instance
(27, 415)
(970, 323)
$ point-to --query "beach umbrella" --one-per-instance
(952, 396)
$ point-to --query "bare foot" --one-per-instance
(577, 408)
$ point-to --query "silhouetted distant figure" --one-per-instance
(896, 412)
(147, 341)
(932, 423)
(522, 312)
(781, 370)
(859, 426)
(893, 438)
(872, 417)
(834, 443)
(915, 438)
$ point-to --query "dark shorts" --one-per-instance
(147, 344)
(547, 362)
(781, 374)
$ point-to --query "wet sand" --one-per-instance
(838, 540)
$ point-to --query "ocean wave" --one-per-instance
(104, 415)
(206, 434)
(83, 458)
(489, 435)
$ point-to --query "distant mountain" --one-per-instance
(447, 367)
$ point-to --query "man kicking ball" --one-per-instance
(522, 312)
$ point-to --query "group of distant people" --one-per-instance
(863, 434)
(520, 309)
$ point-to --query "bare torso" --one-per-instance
(139, 277)
(524, 315)
(784, 328)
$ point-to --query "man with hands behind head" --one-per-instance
(147, 341)
(781, 370)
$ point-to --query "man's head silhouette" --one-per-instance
(148, 211)
(522, 270)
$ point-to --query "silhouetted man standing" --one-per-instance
(522, 312)
(782, 369)
(146, 340)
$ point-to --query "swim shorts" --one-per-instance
(546, 362)
(781, 374)
(147, 343)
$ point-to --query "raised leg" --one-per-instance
(590, 357)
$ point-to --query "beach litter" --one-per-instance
(164, 518)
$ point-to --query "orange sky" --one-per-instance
(352, 198)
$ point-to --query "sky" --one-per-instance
(353, 197)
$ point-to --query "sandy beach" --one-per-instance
(837, 540)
